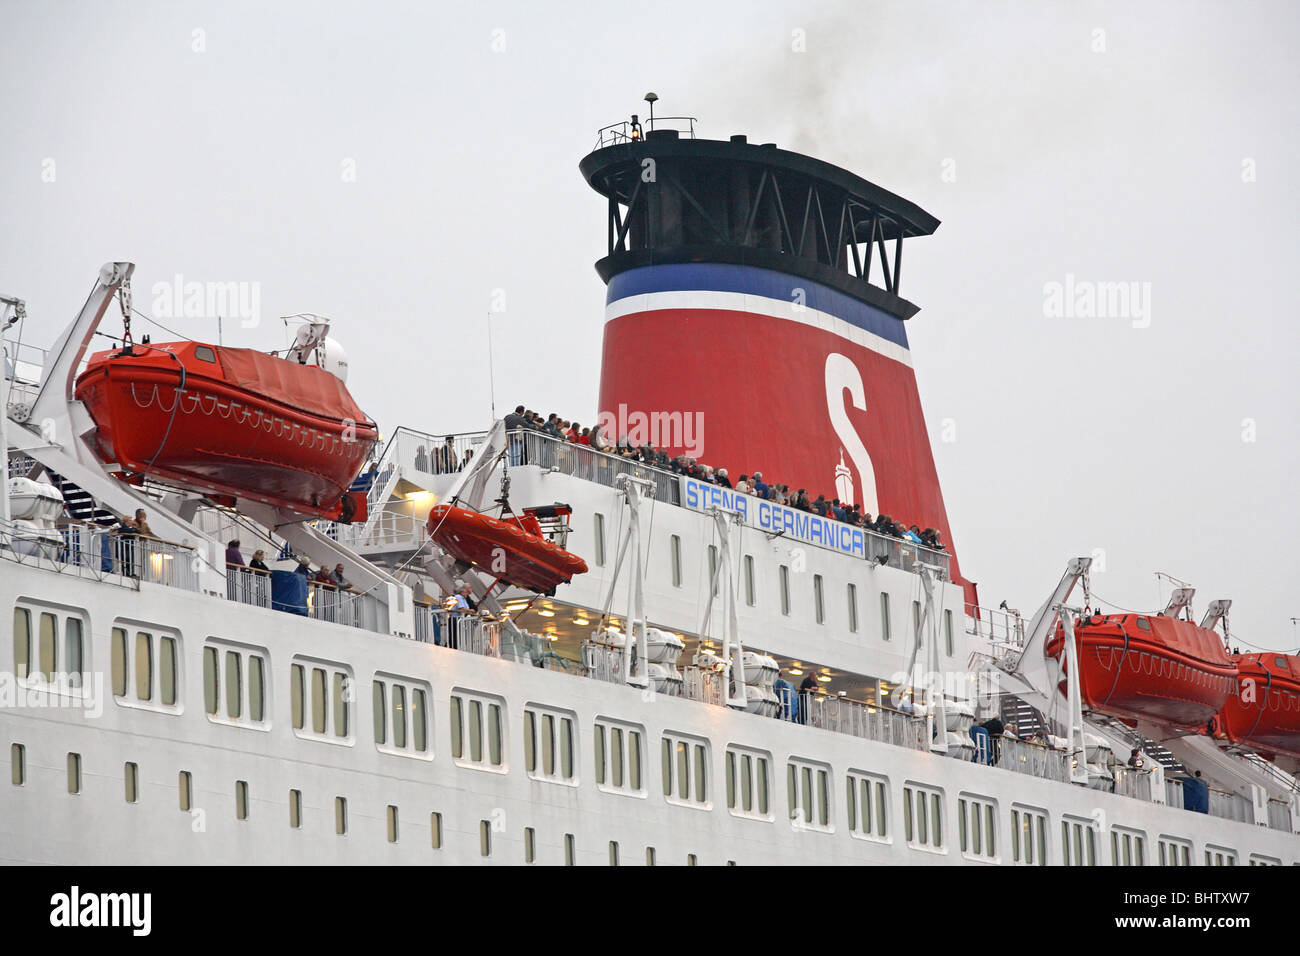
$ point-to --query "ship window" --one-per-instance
(119, 662)
(884, 615)
(1028, 836)
(295, 809)
(691, 859)
(485, 838)
(808, 790)
(867, 806)
(18, 764)
(321, 703)
(1143, 624)
(675, 555)
(420, 720)
(75, 657)
(435, 830)
(476, 731)
(1078, 843)
(318, 702)
(977, 827)
(234, 686)
(618, 756)
(819, 608)
(154, 671)
(749, 580)
(341, 697)
(185, 790)
(74, 773)
(49, 644)
(392, 823)
(399, 716)
(1127, 847)
(1219, 856)
(131, 773)
(785, 590)
(297, 678)
(483, 717)
(599, 555)
(613, 853)
(548, 743)
(685, 768)
(747, 783)
(649, 856)
(143, 666)
(204, 354)
(546, 732)
(923, 817)
(457, 738)
(241, 799)
(341, 815)
(241, 703)
(23, 642)
(530, 845)
(256, 688)
(853, 609)
(570, 850)
(947, 632)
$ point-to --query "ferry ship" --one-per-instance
(539, 652)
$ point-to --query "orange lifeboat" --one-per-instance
(1150, 667)
(228, 421)
(1264, 713)
(511, 549)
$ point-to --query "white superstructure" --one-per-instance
(156, 708)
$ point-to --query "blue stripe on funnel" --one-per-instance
(750, 280)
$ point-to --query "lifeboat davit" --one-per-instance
(1264, 713)
(228, 421)
(1150, 667)
(511, 549)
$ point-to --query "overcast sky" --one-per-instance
(390, 164)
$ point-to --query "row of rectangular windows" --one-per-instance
(819, 598)
(808, 793)
(401, 723)
(185, 800)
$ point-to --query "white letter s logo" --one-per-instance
(842, 374)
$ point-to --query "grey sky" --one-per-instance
(1154, 151)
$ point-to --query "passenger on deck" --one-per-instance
(788, 703)
(323, 576)
(259, 563)
(995, 727)
(421, 459)
(445, 458)
(338, 579)
(1135, 759)
(469, 456)
(142, 526)
(465, 597)
(760, 486)
(720, 477)
(233, 557)
(807, 687)
(303, 568)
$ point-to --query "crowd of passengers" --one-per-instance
(800, 500)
